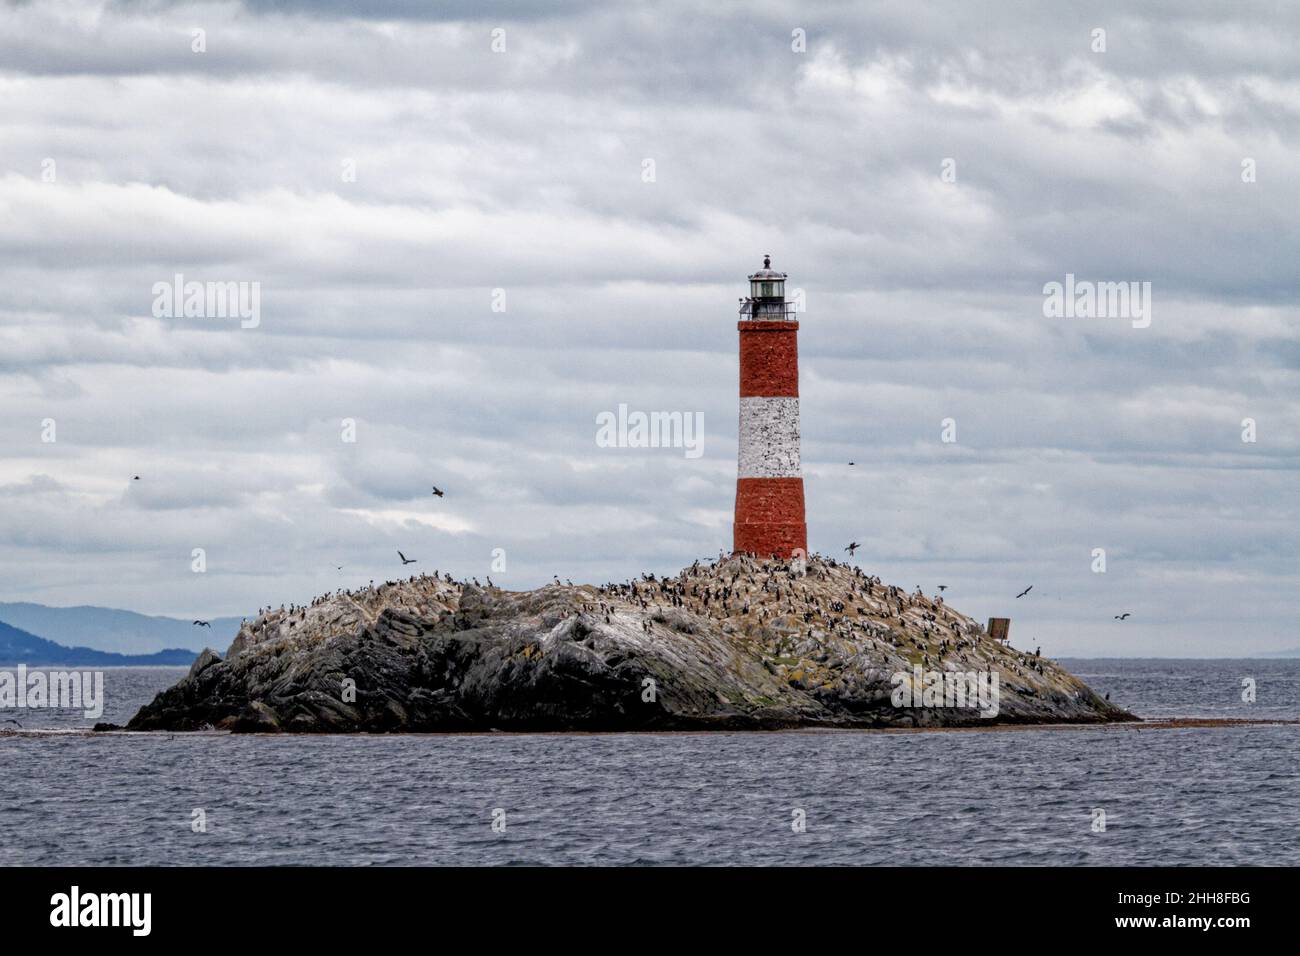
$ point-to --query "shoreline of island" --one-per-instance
(1138, 725)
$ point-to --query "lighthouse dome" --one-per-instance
(767, 272)
(767, 283)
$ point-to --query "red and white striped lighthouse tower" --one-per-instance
(769, 484)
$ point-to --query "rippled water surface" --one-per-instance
(1212, 796)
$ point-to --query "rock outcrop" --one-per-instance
(736, 644)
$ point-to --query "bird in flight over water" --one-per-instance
(405, 559)
(1025, 591)
(200, 624)
(1120, 617)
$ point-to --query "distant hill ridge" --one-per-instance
(19, 647)
(116, 631)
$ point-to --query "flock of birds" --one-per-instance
(825, 600)
(854, 545)
(852, 549)
(435, 492)
(774, 600)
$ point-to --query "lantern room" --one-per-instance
(766, 299)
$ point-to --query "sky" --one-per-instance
(476, 227)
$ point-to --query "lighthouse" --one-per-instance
(769, 484)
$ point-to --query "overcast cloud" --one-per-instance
(522, 170)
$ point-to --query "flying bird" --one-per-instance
(1025, 591)
(943, 587)
(437, 491)
(1120, 617)
(853, 546)
(200, 624)
(135, 477)
(405, 559)
(853, 463)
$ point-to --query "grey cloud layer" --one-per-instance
(522, 171)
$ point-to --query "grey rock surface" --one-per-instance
(735, 644)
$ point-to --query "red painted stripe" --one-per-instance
(769, 359)
(770, 517)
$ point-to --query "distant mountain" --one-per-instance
(1293, 652)
(121, 632)
(19, 647)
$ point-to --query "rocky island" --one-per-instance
(736, 644)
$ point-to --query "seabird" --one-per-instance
(405, 559)
(853, 546)
(1025, 591)
(1120, 617)
(200, 624)
(437, 491)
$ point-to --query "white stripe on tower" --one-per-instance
(769, 437)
